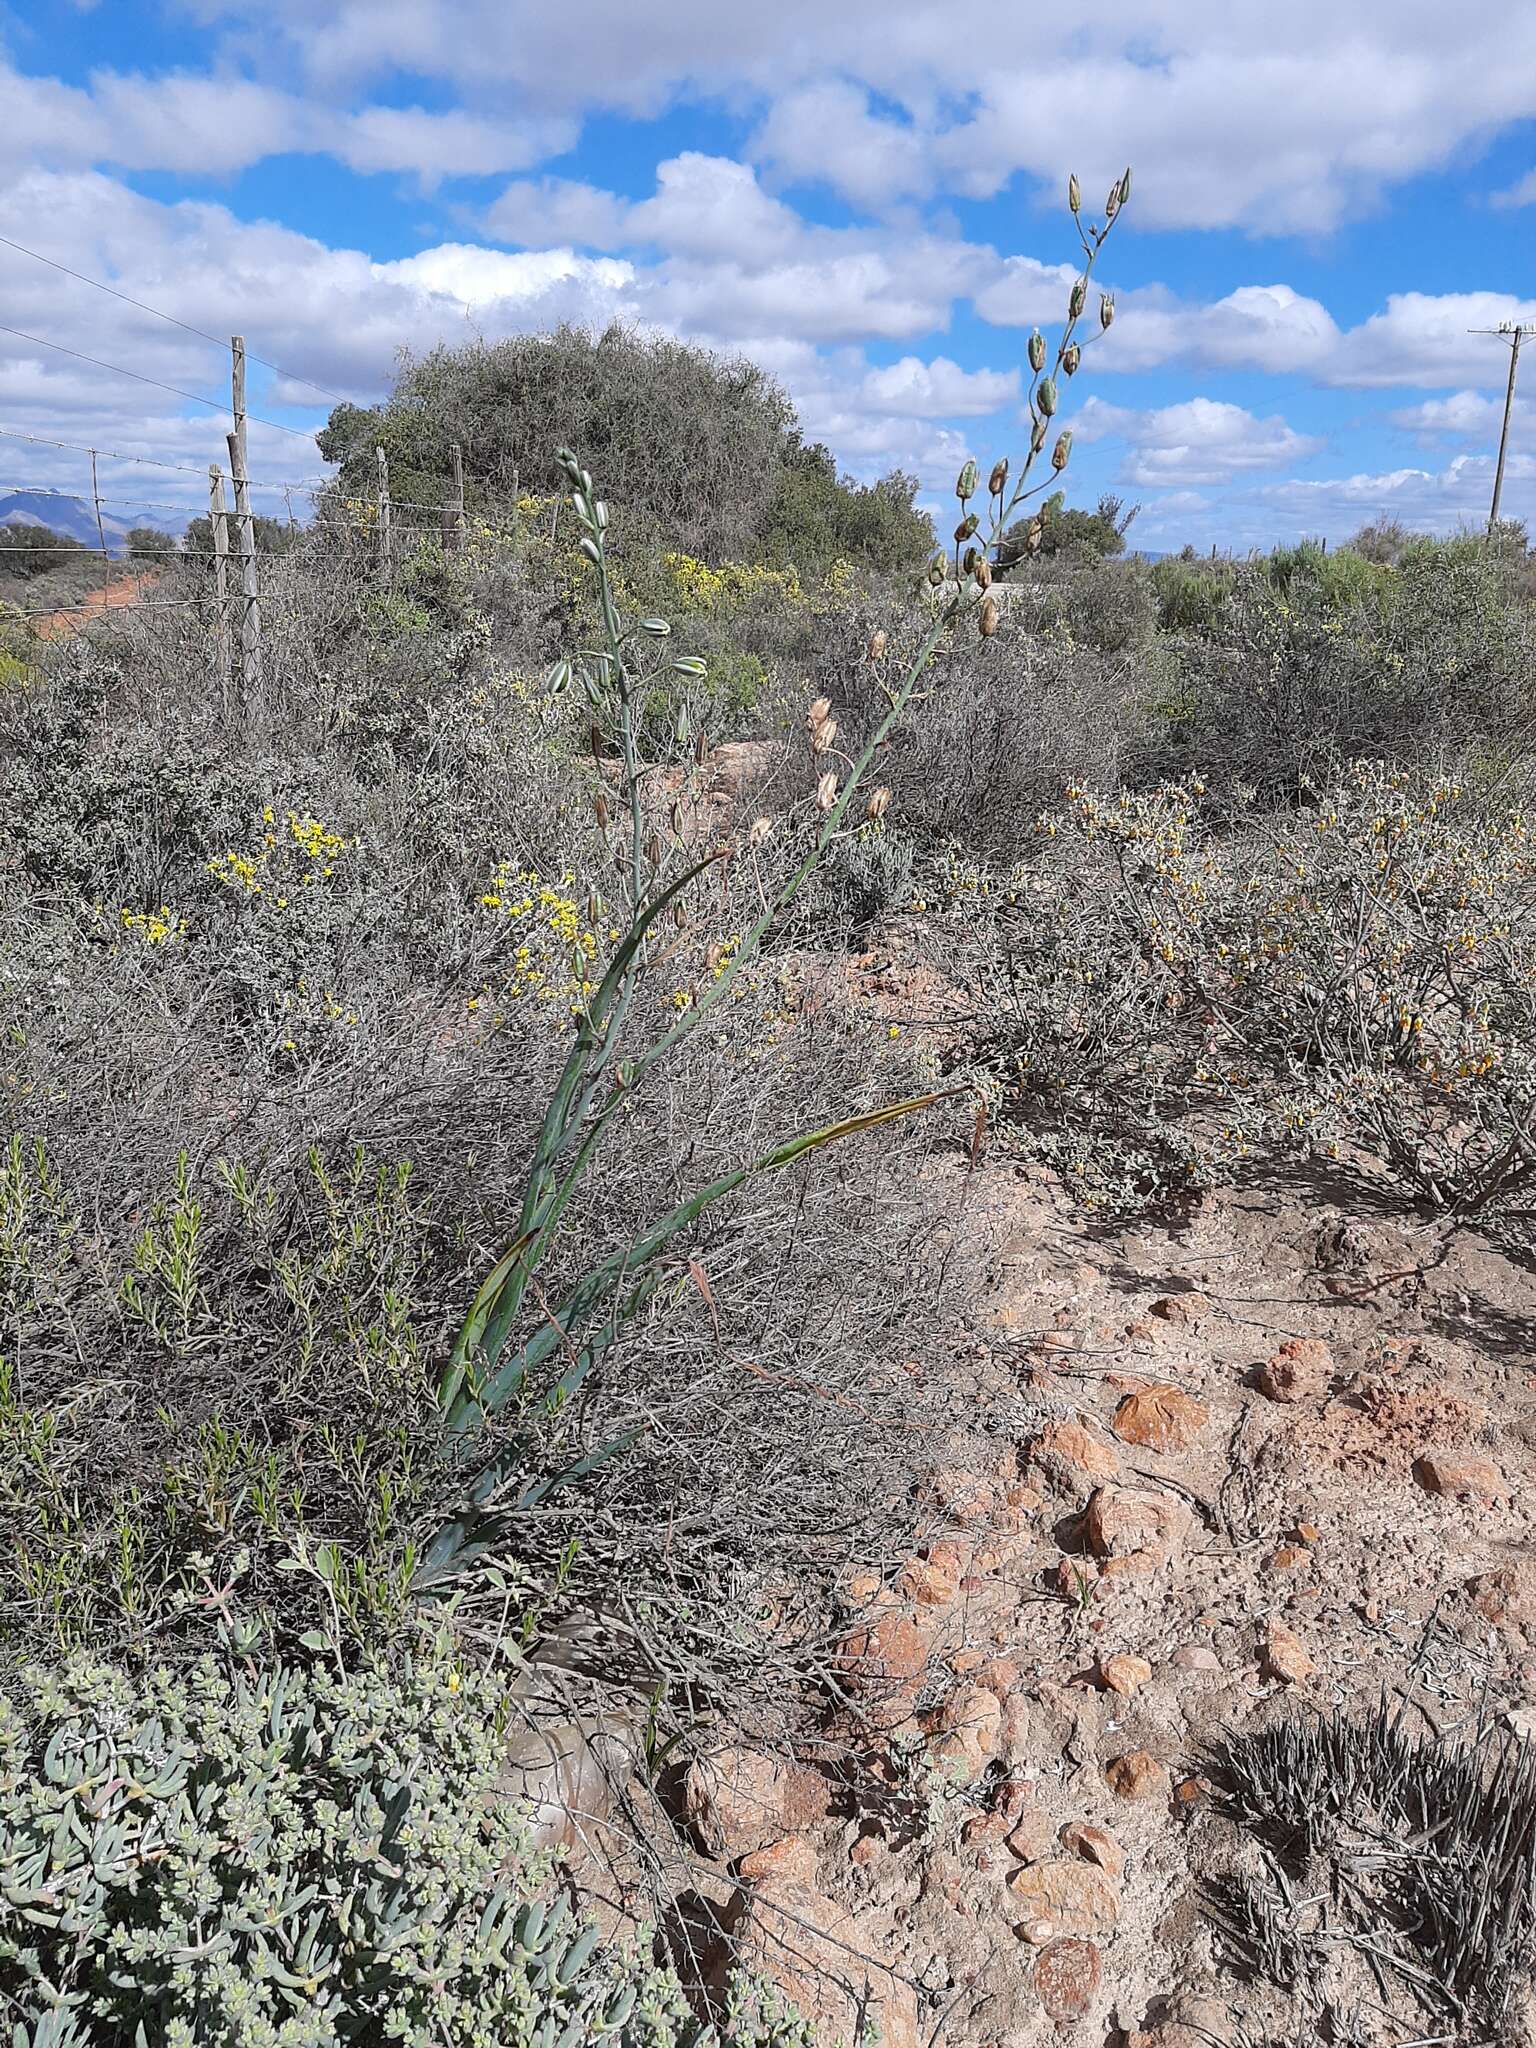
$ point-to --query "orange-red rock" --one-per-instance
(1067, 1977)
(1285, 1656)
(1161, 1418)
(889, 1650)
(1300, 1370)
(1457, 1477)
(1122, 1524)
(1137, 1775)
(1094, 1845)
(1071, 1896)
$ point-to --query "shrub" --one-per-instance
(150, 544)
(296, 1859)
(1354, 982)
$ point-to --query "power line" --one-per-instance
(116, 370)
(185, 325)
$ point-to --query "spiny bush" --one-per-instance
(290, 1858)
(1355, 980)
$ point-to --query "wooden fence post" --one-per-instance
(250, 590)
(456, 503)
(386, 528)
(223, 653)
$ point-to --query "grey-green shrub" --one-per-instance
(288, 1861)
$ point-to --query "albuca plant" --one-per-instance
(290, 1861)
(515, 1339)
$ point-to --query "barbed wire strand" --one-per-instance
(117, 370)
(185, 325)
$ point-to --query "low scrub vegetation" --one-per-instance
(458, 1216)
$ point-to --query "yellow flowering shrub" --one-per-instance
(547, 945)
(294, 854)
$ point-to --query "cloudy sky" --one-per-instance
(866, 197)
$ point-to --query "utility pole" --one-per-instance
(1514, 333)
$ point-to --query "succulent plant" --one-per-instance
(292, 1859)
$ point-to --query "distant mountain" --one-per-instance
(76, 517)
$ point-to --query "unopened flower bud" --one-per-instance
(1061, 453)
(1106, 310)
(1074, 194)
(877, 803)
(826, 792)
(1077, 298)
(1045, 397)
(965, 483)
(986, 624)
(997, 482)
(1071, 356)
(823, 735)
(877, 645)
(761, 832)
(1037, 351)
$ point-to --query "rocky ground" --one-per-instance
(1273, 1461)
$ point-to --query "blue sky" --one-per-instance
(866, 199)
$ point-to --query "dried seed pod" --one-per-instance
(986, 624)
(997, 482)
(877, 645)
(761, 832)
(1061, 454)
(817, 710)
(1037, 351)
(967, 527)
(968, 564)
(653, 851)
(1034, 534)
(823, 736)
(826, 792)
(1112, 203)
(877, 803)
(1106, 311)
(701, 748)
(935, 573)
(983, 573)
(1071, 356)
(714, 956)
(1077, 298)
(680, 917)
(1037, 436)
(600, 806)
(675, 819)
(965, 482)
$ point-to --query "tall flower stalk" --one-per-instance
(487, 1371)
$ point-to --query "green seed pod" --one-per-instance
(1045, 397)
(965, 483)
(1106, 311)
(1074, 194)
(1037, 351)
(970, 561)
(1071, 356)
(935, 573)
(1125, 185)
(1077, 298)
(997, 482)
(1061, 453)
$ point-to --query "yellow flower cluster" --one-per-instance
(701, 588)
(268, 868)
(155, 927)
(554, 959)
